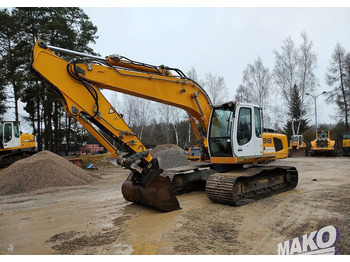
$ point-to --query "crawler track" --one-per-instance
(240, 187)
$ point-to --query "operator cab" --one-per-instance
(297, 140)
(322, 135)
(9, 135)
(235, 130)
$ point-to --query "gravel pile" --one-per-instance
(163, 147)
(170, 156)
(40, 171)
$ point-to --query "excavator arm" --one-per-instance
(78, 83)
(80, 79)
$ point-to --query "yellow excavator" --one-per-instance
(13, 144)
(232, 138)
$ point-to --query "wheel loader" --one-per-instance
(232, 137)
(13, 144)
(323, 144)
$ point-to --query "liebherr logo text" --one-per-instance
(319, 242)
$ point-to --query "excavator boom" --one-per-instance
(84, 101)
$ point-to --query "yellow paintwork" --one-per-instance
(27, 140)
(330, 146)
(268, 143)
(191, 157)
(346, 142)
(241, 160)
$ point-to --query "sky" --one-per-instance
(219, 39)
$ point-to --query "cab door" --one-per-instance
(258, 141)
(247, 131)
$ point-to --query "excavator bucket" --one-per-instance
(155, 191)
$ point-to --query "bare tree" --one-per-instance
(295, 66)
(336, 77)
(137, 112)
(216, 88)
(243, 94)
(286, 68)
(115, 102)
(192, 74)
(172, 116)
(307, 65)
(257, 78)
(307, 80)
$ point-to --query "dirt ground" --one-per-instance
(95, 219)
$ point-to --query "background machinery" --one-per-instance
(323, 144)
(297, 146)
(13, 144)
(346, 143)
(194, 153)
(232, 139)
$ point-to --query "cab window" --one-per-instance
(7, 132)
(346, 136)
(322, 135)
(257, 119)
(244, 129)
(16, 130)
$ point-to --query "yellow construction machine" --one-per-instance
(323, 144)
(346, 144)
(13, 144)
(232, 136)
(297, 146)
(194, 153)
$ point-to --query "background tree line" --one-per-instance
(71, 28)
(292, 77)
(292, 80)
(19, 29)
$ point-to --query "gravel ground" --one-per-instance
(95, 219)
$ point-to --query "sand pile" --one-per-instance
(170, 156)
(40, 171)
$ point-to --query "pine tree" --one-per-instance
(297, 123)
